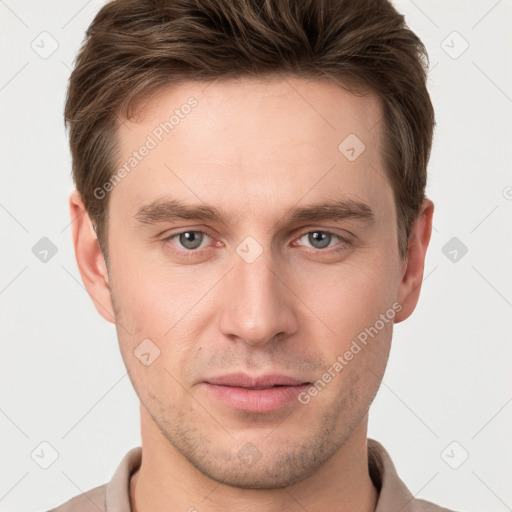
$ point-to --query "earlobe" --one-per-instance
(413, 267)
(89, 258)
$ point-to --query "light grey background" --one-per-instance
(449, 376)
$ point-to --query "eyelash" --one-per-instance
(190, 253)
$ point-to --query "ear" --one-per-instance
(413, 266)
(89, 258)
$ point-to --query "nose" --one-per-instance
(257, 305)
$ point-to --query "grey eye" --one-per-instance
(319, 239)
(191, 239)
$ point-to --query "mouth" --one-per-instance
(255, 394)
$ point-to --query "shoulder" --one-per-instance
(113, 495)
(393, 493)
(90, 501)
(427, 506)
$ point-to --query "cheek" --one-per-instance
(355, 349)
(153, 298)
(151, 330)
(158, 321)
(350, 297)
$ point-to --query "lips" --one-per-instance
(256, 394)
(262, 381)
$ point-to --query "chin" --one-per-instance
(261, 478)
(273, 468)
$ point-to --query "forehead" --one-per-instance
(249, 142)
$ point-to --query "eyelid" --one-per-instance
(305, 231)
(169, 237)
(344, 240)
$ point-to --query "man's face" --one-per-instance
(259, 292)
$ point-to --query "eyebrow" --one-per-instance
(172, 209)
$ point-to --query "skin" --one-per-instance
(254, 149)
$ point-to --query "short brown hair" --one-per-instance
(135, 47)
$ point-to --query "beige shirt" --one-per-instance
(115, 496)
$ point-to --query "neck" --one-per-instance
(167, 481)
